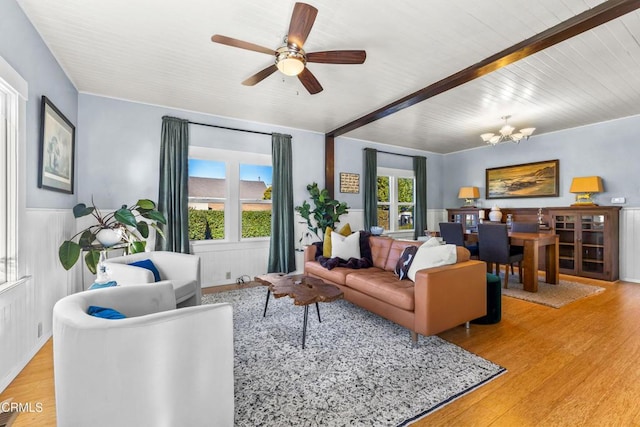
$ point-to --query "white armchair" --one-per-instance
(158, 367)
(182, 270)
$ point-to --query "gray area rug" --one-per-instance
(357, 369)
(554, 296)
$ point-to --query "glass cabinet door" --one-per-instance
(566, 230)
(592, 243)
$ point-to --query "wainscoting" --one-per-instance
(26, 307)
(629, 238)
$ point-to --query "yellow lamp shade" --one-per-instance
(585, 187)
(469, 193)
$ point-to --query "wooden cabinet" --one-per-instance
(588, 240)
(468, 217)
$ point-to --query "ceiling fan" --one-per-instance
(290, 58)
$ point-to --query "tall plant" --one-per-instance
(326, 211)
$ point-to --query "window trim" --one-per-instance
(16, 89)
(232, 202)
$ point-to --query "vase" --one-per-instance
(109, 237)
(495, 215)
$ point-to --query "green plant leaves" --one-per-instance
(154, 215)
(136, 247)
(146, 204)
(81, 210)
(126, 217)
(326, 212)
(68, 254)
(143, 229)
(91, 259)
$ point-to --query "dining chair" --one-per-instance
(493, 243)
(523, 227)
(453, 233)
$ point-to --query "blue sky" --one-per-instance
(214, 169)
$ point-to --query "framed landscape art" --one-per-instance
(539, 179)
(57, 149)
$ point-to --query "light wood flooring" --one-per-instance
(574, 366)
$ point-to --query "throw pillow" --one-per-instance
(432, 256)
(149, 265)
(345, 247)
(326, 248)
(104, 312)
(432, 241)
(405, 261)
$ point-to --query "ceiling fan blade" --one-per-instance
(302, 20)
(260, 75)
(309, 81)
(338, 57)
(217, 38)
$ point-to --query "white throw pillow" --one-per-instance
(345, 247)
(432, 256)
(431, 241)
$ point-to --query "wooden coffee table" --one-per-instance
(303, 289)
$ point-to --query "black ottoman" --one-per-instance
(494, 301)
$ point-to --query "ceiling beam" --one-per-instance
(601, 14)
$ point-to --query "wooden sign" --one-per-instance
(349, 182)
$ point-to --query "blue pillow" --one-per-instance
(149, 265)
(105, 313)
(103, 285)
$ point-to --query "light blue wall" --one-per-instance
(610, 150)
(119, 163)
(22, 47)
(349, 157)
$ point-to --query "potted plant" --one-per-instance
(326, 211)
(127, 226)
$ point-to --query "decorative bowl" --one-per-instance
(376, 230)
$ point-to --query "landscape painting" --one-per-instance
(539, 179)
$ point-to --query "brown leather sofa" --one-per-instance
(440, 299)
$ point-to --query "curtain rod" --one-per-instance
(228, 128)
(395, 154)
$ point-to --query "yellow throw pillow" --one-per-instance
(326, 245)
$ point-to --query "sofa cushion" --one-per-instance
(432, 256)
(403, 264)
(345, 247)
(184, 289)
(335, 275)
(380, 250)
(383, 285)
(395, 252)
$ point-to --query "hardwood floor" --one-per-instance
(574, 366)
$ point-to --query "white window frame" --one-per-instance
(15, 89)
(393, 203)
(232, 203)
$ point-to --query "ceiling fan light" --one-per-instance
(486, 136)
(506, 130)
(290, 66)
(527, 131)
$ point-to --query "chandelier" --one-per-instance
(506, 134)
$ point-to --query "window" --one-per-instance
(229, 195)
(396, 199)
(9, 107)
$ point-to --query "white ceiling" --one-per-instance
(159, 52)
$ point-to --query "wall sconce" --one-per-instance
(469, 194)
(584, 187)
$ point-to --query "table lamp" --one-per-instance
(469, 194)
(584, 187)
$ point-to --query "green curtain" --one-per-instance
(174, 185)
(420, 211)
(370, 188)
(282, 256)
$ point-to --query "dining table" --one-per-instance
(531, 243)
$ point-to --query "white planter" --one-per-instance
(495, 215)
(109, 237)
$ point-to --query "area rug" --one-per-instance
(554, 296)
(357, 368)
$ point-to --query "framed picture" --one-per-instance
(57, 149)
(349, 182)
(539, 179)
